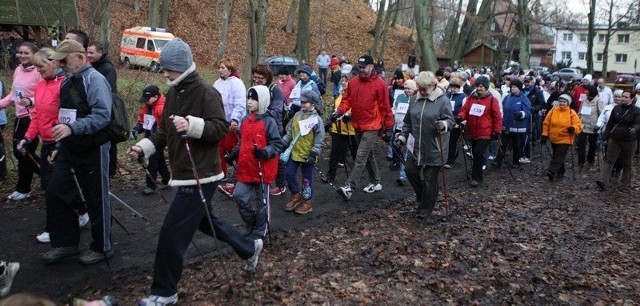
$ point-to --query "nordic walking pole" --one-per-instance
(504, 156)
(206, 207)
(444, 178)
(573, 166)
(127, 206)
(263, 195)
(330, 183)
(464, 144)
(146, 170)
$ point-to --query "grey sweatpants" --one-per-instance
(255, 219)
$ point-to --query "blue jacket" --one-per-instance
(514, 106)
(456, 101)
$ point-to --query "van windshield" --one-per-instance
(160, 43)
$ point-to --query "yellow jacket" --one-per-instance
(557, 122)
(345, 128)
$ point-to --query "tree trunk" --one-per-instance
(153, 13)
(591, 33)
(377, 30)
(164, 14)
(523, 33)
(303, 38)
(607, 39)
(136, 5)
(422, 10)
(224, 30)
(453, 34)
(392, 13)
(290, 15)
(261, 26)
(252, 49)
(465, 39)
(105, 25)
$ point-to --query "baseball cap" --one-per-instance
(365, 60)
(150, 91)
(65, 47)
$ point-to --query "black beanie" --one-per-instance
(517, 83)
(252, 94)
(484, 81)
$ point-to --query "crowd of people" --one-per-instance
(262, 136)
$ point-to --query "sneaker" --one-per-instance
(346, 191)
(44, 237)
(6, 278)
(276, 191)
(468, 154)
(90, 256)
(252, 262)
(448, 166)
(147, 191)
(371, 188)
(57, 254)
(17, 196)
(156, 300)
(304, 208)
(524, 160)
(227, 189)
(83, 220)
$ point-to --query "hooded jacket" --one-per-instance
(24, 84)
(258, 130)
(368, 100)
(590, 111)
(557, 122)
(512, 104)
(420, 123)
(201, 104)
(106, 68)
(482, 113)
(45, 114)
(301, 86)
(313, 141)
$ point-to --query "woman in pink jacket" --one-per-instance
(25, 78)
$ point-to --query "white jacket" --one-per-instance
(234, 97)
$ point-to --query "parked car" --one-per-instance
(626, 81)
(568, 74)
(277, 62)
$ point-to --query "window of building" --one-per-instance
(582, 56)
(599, 57)
(567, 36)
(602, 38)
(623, 38)
(566, 55)
(583, 37)
(621, 58)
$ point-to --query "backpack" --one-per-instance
(119, 127)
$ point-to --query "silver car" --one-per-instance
(568, 74)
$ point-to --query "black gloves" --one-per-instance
(398, 142)
(260, 153)
(327, 126)
(22, 146)
(459, 119)
(312, 157)
(385, 135)
(346, 118)
(495, 135)
(334, 116)
(231, 156)
(571, 130)
(134, 134)
(596, 129)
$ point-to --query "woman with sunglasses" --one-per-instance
(25, 78)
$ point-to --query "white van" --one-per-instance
(141, 46)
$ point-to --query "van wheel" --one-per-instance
(126, 63)
(154, 67)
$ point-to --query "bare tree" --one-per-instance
(591, 33)
(523, 32)
(302, 39)
(377, 30)
(613, 24)
(100, 19)
(392, 14)
(293, 7)
(153, 13)
(224, 29)
(164, 14)
(255, 35)
(425, 35)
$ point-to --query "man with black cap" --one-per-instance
(83, 144)
(367, 97)
(149, 119)
(194, 123)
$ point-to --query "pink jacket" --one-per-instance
(24, 83)
(45, 113)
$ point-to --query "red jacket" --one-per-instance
(481, 127)
(577, 92)
(45, 112)
(156, 110)
(368, 100)
(262, 131)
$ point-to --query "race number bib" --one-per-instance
(477, 110)
(67, 115)
(411, 142)
(585, 110)
(149, 121)
(402, 108)
(295, 93)
(307, 125)
(583, 97)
